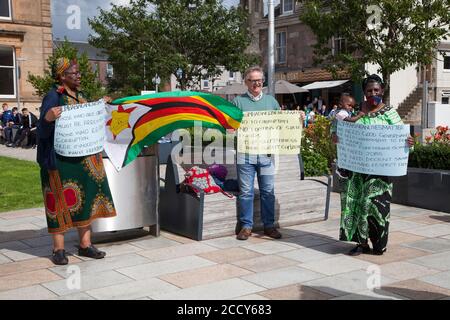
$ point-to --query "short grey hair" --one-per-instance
(253, 69)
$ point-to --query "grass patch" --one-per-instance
(20, 185)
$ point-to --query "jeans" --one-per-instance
(8, 134)
(263, 167)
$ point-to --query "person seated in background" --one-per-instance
(27, 129)
(333, 111)
(7, 121)
(15, 126)
(323, 110)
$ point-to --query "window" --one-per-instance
(205, 83)
(5, 9)
(7, 73)
(288, 6)
(338, 45)
(256, 5)
(281, 47)
(109, 70)
(231, 75)
(447, 62)
(445, 96)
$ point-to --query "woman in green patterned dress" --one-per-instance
(75, 190)
(365, 200)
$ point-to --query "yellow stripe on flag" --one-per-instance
(144, 130)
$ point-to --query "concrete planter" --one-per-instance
(423, 188)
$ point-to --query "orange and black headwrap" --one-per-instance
(62, 64)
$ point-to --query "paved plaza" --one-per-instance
(307, 263)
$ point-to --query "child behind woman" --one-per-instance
(344, 113)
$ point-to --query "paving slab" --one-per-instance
(35, 292)
(346, 283)
(200, 276)
(295, 292)
(438, 261)
(417, 290)
(336, 265)
(265, 263)
(155, 269)
(282, 277)
(431, 245)
(222, 290)
(441, 279)
(133, 290)
(172, 252)
(87, 282)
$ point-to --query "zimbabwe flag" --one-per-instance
(138, 121)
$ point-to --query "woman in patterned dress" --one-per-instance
(75, 190)
(365, 201)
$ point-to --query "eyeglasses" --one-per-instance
(74, 73)
(255, 81)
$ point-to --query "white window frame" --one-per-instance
(10, 12)
(334, 40)
(278, 47)
(285, 12)
(9, 96)
(109, 72)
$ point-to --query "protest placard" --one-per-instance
(80, 131)
(270, 132)
(373, 149)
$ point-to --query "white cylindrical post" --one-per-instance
(271, 50)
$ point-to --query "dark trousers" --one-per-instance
(8, 134)
(22, 134)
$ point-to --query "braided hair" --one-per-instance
(372, 79)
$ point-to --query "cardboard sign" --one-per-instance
(80, 131)
(373, 149)
(270, 132)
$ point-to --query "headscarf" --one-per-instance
(62, 64)
(372, 78)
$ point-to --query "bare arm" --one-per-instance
(355, 118)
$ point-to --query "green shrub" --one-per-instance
(431, 156)
(318, 151)
(315, 164)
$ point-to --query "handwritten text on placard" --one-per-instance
(373, 149)
(80, 131)
(270, 132)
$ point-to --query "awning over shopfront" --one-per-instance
(324, 84)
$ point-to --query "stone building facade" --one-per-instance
(294, 52)
(25, 45)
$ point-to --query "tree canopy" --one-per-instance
(90, 85)
(189, 38)
(393, 34)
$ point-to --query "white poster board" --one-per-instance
(373, 149)
(80, 131)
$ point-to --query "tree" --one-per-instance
(390, 33)
(192, 39)
(90, 86)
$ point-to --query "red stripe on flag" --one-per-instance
(155, 101)
(179, 110)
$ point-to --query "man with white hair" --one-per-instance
(261, 164)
